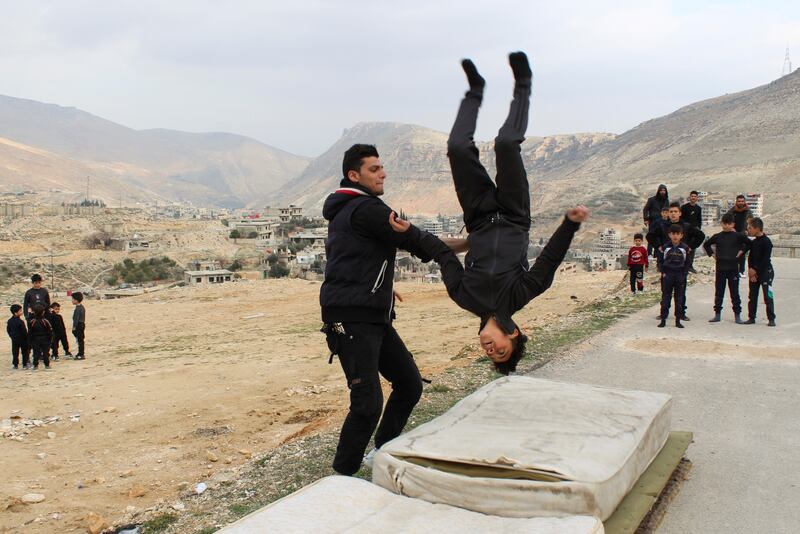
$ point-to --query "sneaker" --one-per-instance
(15, 367)
(68, 354)
(25, 367)
(678, 323)
(738, 319)
(750, 321)
(771, 322)
(662, 324)
(685, 318)
(369, 457)
(47, 367)
(55, 358)
(691, 270)
(80, 357)
(715, 319)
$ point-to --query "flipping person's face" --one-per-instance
(371, 175)
(497, 345)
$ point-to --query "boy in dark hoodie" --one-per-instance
(655, 233)
(40, 337)
(760, 272)
(495, 281)
(728, 246)
(18, 333)
(59, 330)
(37, 295)
(674, 266)
(652, 212)
(741, 214)
(79, 324)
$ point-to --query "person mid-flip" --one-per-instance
(495, 281)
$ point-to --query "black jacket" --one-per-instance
(17, 330)
(740, 219)
(675, 259)
(58, 323)
(692, 214)
(692, 236)
(40, 331)
(360, 251)
(727, 247)
(760, 257)
(33, 297)
(495, 280)
(652, 209)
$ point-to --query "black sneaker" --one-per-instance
(55, 358)
(678, 324)
(662, 324)
(47, 367)
(750, 321)
(771, 322)
(16, 366)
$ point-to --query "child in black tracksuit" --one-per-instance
(40, 337)
(674, 269)
(18, 333)
(79, 324)
(728, 246)
(59, 330)
(760, 272)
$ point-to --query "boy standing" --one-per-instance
(729, 245)
(79, 323)
(37, 295)
(40, 337)
(59, 330)
(655, 233)
(674, 268)
(637, 263)
(18, 333)
(760, 272)
(692, 213)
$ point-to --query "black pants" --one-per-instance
(476, 192)
(366, 352)
(764, 284)
(41, 351)
(60, 337)
(637, 277)
(673, 285)
(16, 348)
(731, 278)
(79, 331)
(742, 259)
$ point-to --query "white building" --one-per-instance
(218, 276)
(755, 201)
(609, 242)
(712, 212)
(433, 226)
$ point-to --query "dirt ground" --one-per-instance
(185, 383)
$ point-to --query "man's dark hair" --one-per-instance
(510, 365)
(55, 305)
(355, 155)
(676, 229)
(675, 205)
(728, 218)
(693, 193)
(36, 278)
(78, 296)
(740, 196)
(15, 308)
(756, 223)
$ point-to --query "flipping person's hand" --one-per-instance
(398, 224)
(578, 214)
(397, 296)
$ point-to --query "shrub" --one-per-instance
(278, 271)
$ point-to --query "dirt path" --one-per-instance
(178, 386)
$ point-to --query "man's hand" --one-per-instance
(398, 225)
(578, 214)
(397, 296)
(739, 254)
(752, 274)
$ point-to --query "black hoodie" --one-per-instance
(360, 250)
(652, 209)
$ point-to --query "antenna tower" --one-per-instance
(787, 64)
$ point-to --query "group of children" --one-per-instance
(42, 330)
(674, 241)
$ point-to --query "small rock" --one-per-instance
(95, 523)
(32, 498)
(228, 459)
(56, 516)
(137, 491)
(247, 453)
(41, 455)
(110, 409)
(183, 485)
(200, 488)
(51, 435)
(126, 474)
(179, 506)
(211, 456)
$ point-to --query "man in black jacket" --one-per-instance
(652, 212)
(357, 300)
(760, 272)
(496, 281)
(741, 214)
(692, 213)
(728, 246)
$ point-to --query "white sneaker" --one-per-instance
(369, 457)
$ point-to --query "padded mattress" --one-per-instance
(525, 447)
(344, 504)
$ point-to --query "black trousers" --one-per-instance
(673, 285)
(79, 331)
(509, 194)
(16, 348)
(637, 277)
(731, 278)
(60, 337)
(366, 352)
(765, 285)
(41, 351)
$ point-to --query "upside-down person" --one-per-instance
(496, 281)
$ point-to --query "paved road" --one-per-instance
(737, 387)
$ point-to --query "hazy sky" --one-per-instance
(295, 74)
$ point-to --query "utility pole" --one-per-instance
(52, 272)
(787, 64)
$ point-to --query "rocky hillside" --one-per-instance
(61, 146)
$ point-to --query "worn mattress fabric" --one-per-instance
(525, 447)
(343, 504)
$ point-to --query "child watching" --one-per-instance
(728, 246)
(18, 333)
(59, 330)
(638, 263)
(760, 271)
(40, 337)
(79, 324)
(674, 269)
(35, 295)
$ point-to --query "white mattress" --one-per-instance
(586, 445)
(344, 504)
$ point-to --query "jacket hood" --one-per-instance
(664, 187)
(346, 192)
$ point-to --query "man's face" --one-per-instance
(674, 214)
(497, 345)
(729, 227)
(662, 192)
(370, 176)
(693, 199)
(741, 203)
(637, 242)
(37, 284)
(675, 237)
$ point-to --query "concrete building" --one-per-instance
(218, 276)
(608, 242)
(203, 265)
(290, 213)
(433, 226)
(755, 201)
(712, 212)
(129, 244)
(16, 209)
